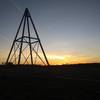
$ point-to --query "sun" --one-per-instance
(55, 59)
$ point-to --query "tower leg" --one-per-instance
(39, 41)
(22, 41)
(30, 41)
(7, 61)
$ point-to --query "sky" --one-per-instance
(69, 29)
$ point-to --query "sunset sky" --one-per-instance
(69, 29)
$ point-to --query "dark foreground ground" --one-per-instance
(67, 82)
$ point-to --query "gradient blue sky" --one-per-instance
(69, 28)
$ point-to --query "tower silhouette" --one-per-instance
(27, 47)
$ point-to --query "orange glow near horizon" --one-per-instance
(62, 58)
(70, 59)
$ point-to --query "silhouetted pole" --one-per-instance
(39, 40)
(14, 40)
(22, 40)
(30, 41)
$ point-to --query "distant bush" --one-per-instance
(9, 63)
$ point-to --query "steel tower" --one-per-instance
(27, 47)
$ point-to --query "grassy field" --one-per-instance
(66, 82)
